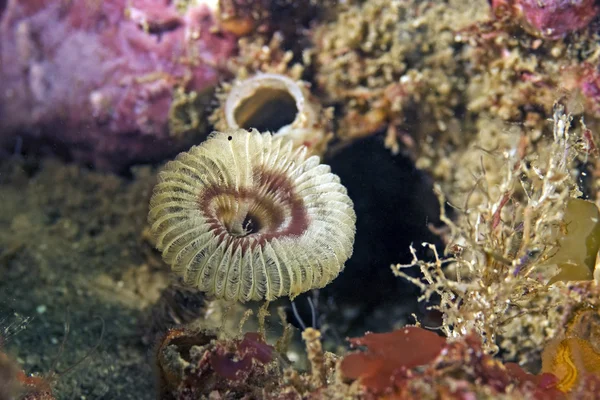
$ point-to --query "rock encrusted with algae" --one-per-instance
(549, 18)
(412, 362)
(194, 364)
(430, 76)
(408, 363)
(391, 65)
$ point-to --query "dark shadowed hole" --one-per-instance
(268, 109)
(158, 28)
(184, 341)
(251, 225)
(395, 205)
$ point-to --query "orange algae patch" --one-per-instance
(570, 360)
(238, 26)
(388, 353)
(575, 357)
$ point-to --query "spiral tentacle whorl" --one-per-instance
(245, 216)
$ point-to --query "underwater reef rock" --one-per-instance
(197, 364)
(192, 365)
(552, 19)
(407, 363)
(98, 78)
(586, 78)
(394, 67)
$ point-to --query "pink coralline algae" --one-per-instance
(552, 19)
(250, 350)
(195, 365)
(97, 78)
(590, 87)
(583, 79)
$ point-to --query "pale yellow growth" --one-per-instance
(259, 259)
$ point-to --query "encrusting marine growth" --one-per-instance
(247, 216)
(277, 103)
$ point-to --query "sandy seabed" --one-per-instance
(70, 254)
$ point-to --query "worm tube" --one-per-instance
(275, 103)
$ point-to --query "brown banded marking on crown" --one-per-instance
(273, 210)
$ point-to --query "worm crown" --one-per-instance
(245, 216)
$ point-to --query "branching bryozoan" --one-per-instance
(246, 216)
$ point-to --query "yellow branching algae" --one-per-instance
(247, 216)
(519, 223)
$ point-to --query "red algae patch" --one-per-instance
(389, 352)
(415, 363)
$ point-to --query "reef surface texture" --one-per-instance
(465, 132)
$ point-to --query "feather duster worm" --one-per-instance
(246, 216)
